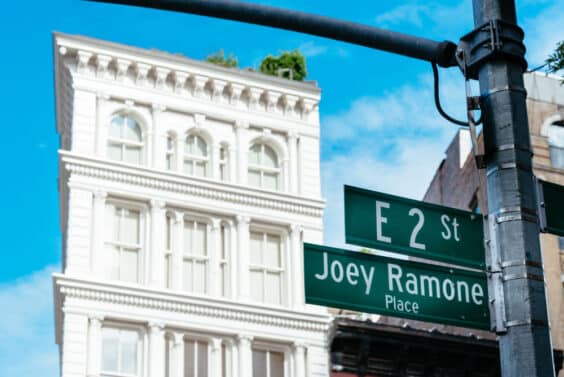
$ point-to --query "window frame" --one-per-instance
(194, 257)
(223, 162)
(265, 346)
(141, 344)
(554, 149)
(122, 142)
(262, 169)
(171, 145)
(143, 234)
(193, 159)
(284, 261)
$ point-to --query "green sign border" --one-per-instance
(466, 262)
(370, 258)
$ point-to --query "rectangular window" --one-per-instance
(195, 257)
(120, 353)
(170, 147)
(561, 243)
(195, 358)
(268, 363)
(266, 268)
(223, 165)
(123, 243)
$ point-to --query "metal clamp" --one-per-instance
(516, 263)
(523, 276)
(492, 39)
(527, 322)
(516, 213)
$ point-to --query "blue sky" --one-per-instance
(379, 126)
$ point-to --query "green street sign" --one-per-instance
(374, 284)
(387, 222)
(552, 208)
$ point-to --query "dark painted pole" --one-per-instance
(525, 349)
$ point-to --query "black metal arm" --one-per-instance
(441, 53)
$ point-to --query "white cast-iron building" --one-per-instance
(186, 191)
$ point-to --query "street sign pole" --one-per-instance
(525, 348)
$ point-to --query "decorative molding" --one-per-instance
(146, 69)
(205, 307)
(116, 172)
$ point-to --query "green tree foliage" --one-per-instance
(289, 64)
(219, 58)
(555, 61)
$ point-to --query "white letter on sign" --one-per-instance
(381, 220)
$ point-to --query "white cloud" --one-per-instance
(453, 19)
(311, 49)
(27, 337)
(392, 143)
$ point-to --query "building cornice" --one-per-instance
(179, 76)
(200, 187)
(142, 297)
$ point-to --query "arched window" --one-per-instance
(556, 144)
(264, 169)
(125, 140)
(195, 156)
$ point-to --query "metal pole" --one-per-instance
(441, 53)
(525, 349)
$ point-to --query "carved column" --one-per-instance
(296, 273)
(156, 350)
(243, 257)
(233, 258)
(299, 357)
(245, 355)
(215, 257)
(94, 346)
(285, 175)
(101, 131)
(177, 249)
(180, 152)
(215, 358)
(156, 253)
(293, 157)
(98, 236)
(242, 151)
(215, 161)
(177, 355)
(157, 152)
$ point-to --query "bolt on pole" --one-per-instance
(525, 349)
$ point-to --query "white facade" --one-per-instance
(186, 192)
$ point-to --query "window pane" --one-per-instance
(272, 288)
(276, 364)
(114, 151)
(556, 135)
(132, 155)
(129, 340)
(130, 227)
(269, 158)
(256, 246)
(259, 363)
(201, 147)
(270, 181)
(561, 243)
(188, 167)
(111, 223)
(254, 178)
(272, 251)
(202, 359)
(115, 127)
(257, 285)
(189, 351)
(112, 262)
(200, 240)
(129, 265)
(254, 153)
(188, 236)
(199, 269)
(132, 131)
(200, 168)
(187, 272)
(110, 342)
(557, 157)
